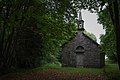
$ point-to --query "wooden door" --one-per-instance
(79, 60)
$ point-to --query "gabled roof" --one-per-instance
(91, 39)
(85, 36)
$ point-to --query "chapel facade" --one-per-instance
(82, 51)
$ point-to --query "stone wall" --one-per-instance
(91, 52)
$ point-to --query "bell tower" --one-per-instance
(81, 22)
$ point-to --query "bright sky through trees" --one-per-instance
(91, 25)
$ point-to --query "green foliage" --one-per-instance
(20, 39)
(32, 31)
(108, 41)
(54, 32)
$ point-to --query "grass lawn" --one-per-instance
(55, 72)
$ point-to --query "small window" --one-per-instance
(80, 49)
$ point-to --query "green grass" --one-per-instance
(111, 67)
(111, 71)
(108, 68)
(69, 69)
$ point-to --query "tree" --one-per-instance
(108, 48)
(16, 16)
(113, 9)
(116, 23)
(33, 29)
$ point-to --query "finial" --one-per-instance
(80, 16)
(81, 22)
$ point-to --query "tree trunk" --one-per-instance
(117, 29)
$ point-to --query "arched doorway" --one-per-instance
(80, 57)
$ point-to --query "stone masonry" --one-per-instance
(82, 51)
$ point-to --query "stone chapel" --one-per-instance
(82, 51)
